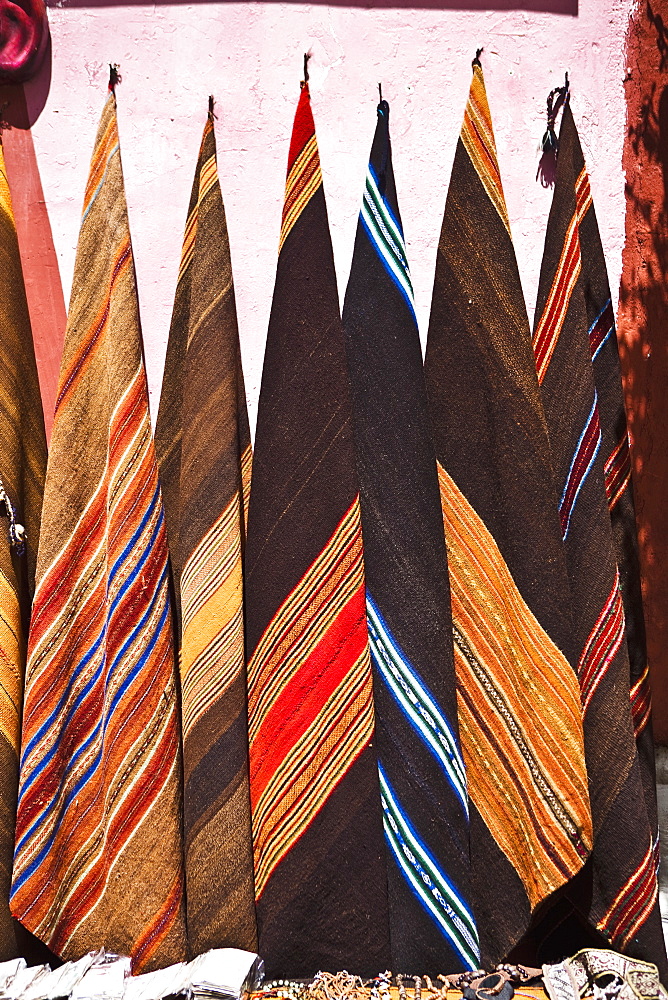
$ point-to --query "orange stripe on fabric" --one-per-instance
(633, 903)
(552, 319)
(303, 181)
(582, 195)
(520, 714)
(477, 136)
(83, 356)
(310, 697)
(99, 161)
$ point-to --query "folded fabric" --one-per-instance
(423, 782)
(320, 878)
(98, 859)
(204, 454)
(620, 894)
(519, 705)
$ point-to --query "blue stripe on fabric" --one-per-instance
(47, 724)
(45, 812)
(113, 572)
(379, 208)
(99, 187)
(416, 702)
(612, 326)
(108, 713)
(426, 881)
(390, 272)
(586, 471)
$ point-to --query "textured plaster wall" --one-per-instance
(250, 56)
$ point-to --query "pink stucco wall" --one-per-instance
(249, 54)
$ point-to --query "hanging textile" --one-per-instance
(204, 454)
(622, 899)
(423, 782)
(615, 452)
(22, 469)
(519, 707)
(320, 879)
(98, 857)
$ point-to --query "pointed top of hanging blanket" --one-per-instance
(556, 99)
(114, 77)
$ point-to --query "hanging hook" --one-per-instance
(307, 56)
(114, 76)
(476, 61)
(211, 104)
(380, 92)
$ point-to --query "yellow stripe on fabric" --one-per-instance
(246, 472)
(5, 195)
(12, 656)
(519, 711)
(303, 181)
(312, 769)
(477, 136)
(305, 616)
(207, 178)
(212, 649)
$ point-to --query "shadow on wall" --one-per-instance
(546, 6)
(643, 321)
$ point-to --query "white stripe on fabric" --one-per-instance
(416, 702)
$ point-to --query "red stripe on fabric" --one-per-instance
(303, 127)
(84, 354)
(301, 700)
(154, 935)
(618, 472)
(602, 645)
(584, 455)
(601, 328)
(641, 703)
(568, 265)
(86, 813)
(582, 192)
(623, 919)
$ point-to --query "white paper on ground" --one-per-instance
(104, 980)
(23, 979)
(60, 982)
(155, 985)
(221, 971)
(8, 970)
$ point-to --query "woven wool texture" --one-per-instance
(98, 838)
(423, 782)
(622, 899)
(22, 470)
(615, 451)
(519, 705)
(204, 455)
(320, 877)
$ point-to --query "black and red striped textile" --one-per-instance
(619, 896)
(319, 855)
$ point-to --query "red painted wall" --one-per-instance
(643, 321)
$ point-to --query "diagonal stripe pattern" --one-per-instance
(514, 662)
(423, 780)
(22, 469)
(591, 468)
(98, 833)
(616, 453)
(204, 454)
(316, 813)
